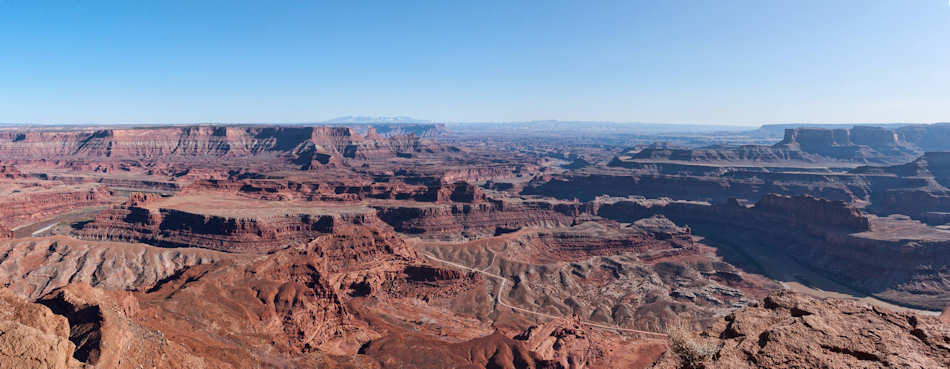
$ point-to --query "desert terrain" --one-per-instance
(426, 245)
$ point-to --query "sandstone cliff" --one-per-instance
(226, 223)
(471, 220)
(920, 189)
(304, 146)
(106, 337)
(32, 337)
(860, 144)
(809, 211)
(29, 204)
(894, 259)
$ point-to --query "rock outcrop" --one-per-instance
(920, 189)
(5, 233)
(860, 144)
(894, 259)
(421, 189)
(33, 337)
(569, 343)
(794, 331)
(307, 147)
(927, 137)
(289, 306)
(637, 276)
(32, 204)
(715, 184)
(226, 224)
(106, 337)
(34, 267)
(809, 211)
(479, 219)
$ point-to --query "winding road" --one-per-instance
(501, 288)
(44, 229)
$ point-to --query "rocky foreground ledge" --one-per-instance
(785, 330)
(789, 330)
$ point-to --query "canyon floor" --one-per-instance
(416, 246)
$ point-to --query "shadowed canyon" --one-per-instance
(425, 245)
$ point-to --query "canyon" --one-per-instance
(410, 245)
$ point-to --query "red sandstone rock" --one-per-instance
(290, 304)
(328, 284)
(305, 146)
(105, 337)
(795, 331)
(11, 172)
(473, 220)
(223, 223)
(32, 337)
(34, 267)
(5, 233)
(32, 204)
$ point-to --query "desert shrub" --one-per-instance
(692, 349)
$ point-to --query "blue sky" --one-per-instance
(727, 62)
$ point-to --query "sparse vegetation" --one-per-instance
(692, 349)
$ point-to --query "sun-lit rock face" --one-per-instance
(788, 330)
(222, 223)
(307, 147)
(368, 247)
(31, 336)
(33, 267)
(33, 204)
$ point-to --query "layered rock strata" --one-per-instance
(304, 146)
(473, 220)
(225, 224)
(22, 207)
(893, 259)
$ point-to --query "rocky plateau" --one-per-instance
(386, 245)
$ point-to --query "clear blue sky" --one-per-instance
(745, 62)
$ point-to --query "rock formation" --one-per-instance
(34, 267)
(809, 211)
(31, 204)
(472, 220)
(32, 337)
(231, 225)
(794, 331)
(366, 246)
(893, 259)
(920, 188)
(290, 304)
(860, 144)
(106, 337)
(305, 146)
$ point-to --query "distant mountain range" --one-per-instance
(377, 119)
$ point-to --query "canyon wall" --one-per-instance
(24, 207)
(920, 189)
(136, 221)
(859, 144)
(304, 146)
(33, 336)
(718, 188)
(472, 220)
(895, 260)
